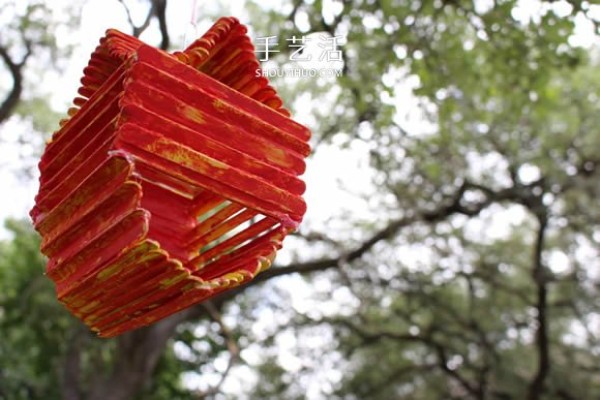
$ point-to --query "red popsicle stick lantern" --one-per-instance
(174, 178)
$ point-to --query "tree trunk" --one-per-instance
(137, 355)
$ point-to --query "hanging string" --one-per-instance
(191, 29)
(193, 14)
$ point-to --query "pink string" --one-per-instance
(193, 18)
(192, 24)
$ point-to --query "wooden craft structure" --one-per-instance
(174, 178)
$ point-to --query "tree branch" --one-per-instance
(137, 30)
(16, 71)
(157, 9)
(160, 11)
(425, 339)
(456, 206)
(536, 387)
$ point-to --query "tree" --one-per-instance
(472, 276)
(470, 312)
(28, 35)
(83, 366)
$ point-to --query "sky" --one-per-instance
(323, 176)
(96, 17)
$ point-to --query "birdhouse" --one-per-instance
(174, 178)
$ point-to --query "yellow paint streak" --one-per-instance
(219, 105)
(89, 307)
(187, 157)
(170, 281)
(148, 252)
(109, 271)
(193, 113)
(182, 57)
(278, 154)
(192, 286)
(265, 262)
(233, 279)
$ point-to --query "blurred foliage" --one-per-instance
(480, 279)
(31, 322)
(38, 334)
(486, 292)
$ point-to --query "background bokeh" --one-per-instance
(451, 247)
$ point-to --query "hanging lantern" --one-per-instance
(174, 178)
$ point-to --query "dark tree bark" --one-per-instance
(16, 71)
(536, 387)
(158, 9)
(136, 357)
(71, 373)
